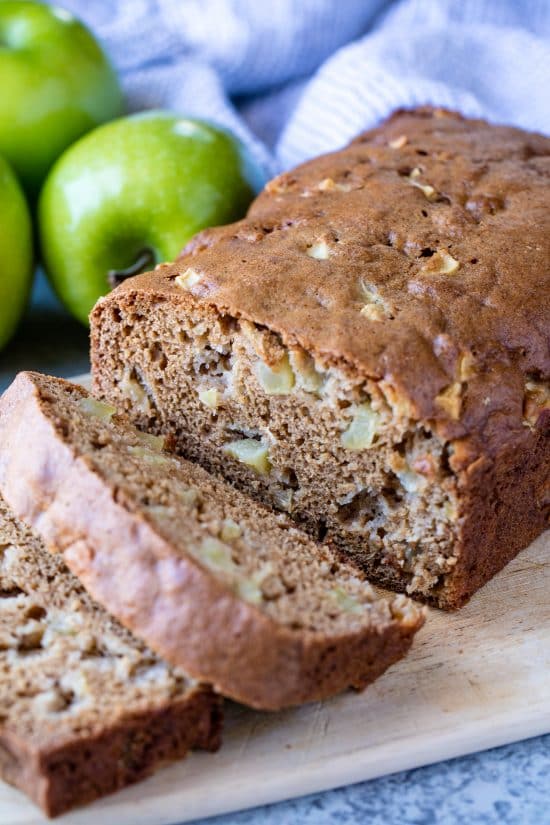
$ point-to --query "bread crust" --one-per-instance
(486, 191)
(167, 599)
(59, 776)
(505, 505)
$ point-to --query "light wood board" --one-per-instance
(473, 680)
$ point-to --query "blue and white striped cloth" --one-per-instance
(295, 78)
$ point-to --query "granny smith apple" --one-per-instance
(56, 83)
(131, 194)
(16, 258)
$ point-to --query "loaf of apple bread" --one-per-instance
(368, 350)
(85, 708)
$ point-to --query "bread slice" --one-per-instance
(85, 708)
(378, 326)
(212, 581)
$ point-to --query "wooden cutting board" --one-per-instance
(473, 680)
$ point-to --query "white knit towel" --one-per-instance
(298, 77)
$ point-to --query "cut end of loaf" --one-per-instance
(340, 454)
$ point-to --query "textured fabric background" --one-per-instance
(298, 77)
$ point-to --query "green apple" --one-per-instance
(55, 84)
(16, 258)
(131, 194)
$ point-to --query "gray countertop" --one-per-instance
(508, 785)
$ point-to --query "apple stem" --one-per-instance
(144, 261)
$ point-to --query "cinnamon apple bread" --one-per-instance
(367, 351)
(212, 581)
(84, 707)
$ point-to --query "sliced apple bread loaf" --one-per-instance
(211, 580)
(367, 351)
(85, 708)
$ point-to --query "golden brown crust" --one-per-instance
(459, 347)
(504, 506)
(169, 600)
(490, 212)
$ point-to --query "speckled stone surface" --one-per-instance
(504, 786)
